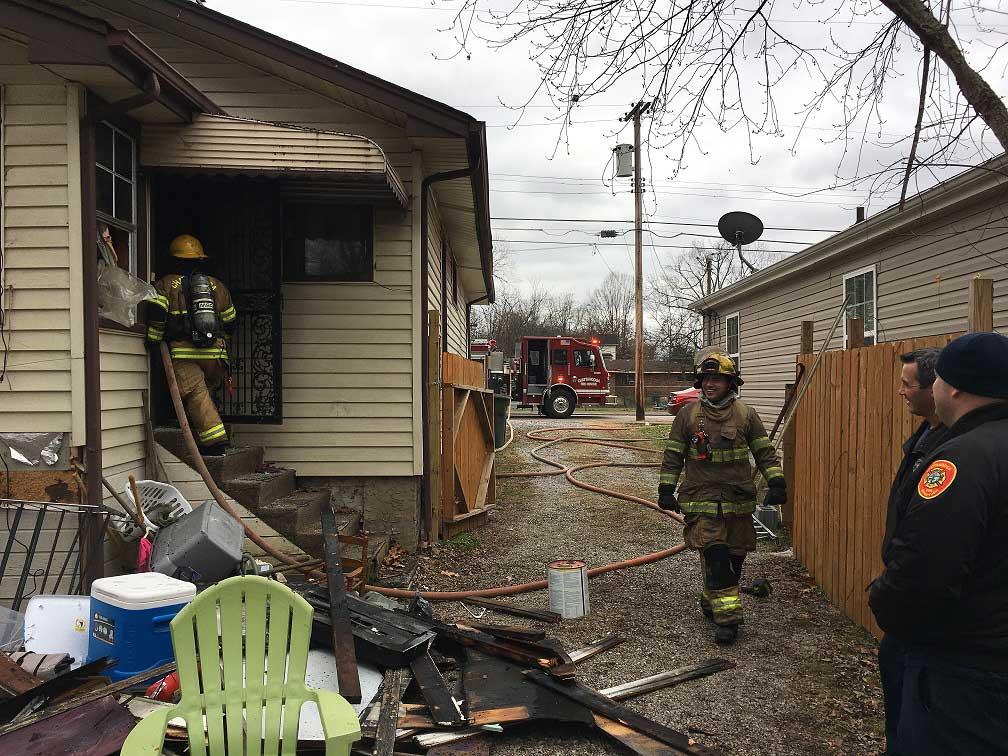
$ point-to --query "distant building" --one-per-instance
(660, 378)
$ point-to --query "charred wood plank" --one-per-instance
(592, 649)
(503, 631)
(599, 704)
(637, 742)
(39, 696)
(96, 729)
(666, 679)
(388, 716)
(339, 615)
(14, 680)
(444, 708)
(515, 611)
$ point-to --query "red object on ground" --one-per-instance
(679, 399)
(164, 689)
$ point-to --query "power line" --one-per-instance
(649, 231)
(556, 244)
(652, 221)
(719, 195)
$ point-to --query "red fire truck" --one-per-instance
(558, 373)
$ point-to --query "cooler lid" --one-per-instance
(144, 590)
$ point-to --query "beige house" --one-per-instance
(907, 273)
(339, 208)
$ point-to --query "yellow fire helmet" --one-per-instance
(717, 363)
(186, 247)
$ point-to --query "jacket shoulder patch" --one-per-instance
(936, 479)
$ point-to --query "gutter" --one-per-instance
(425, 185)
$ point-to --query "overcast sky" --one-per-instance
(403, 41)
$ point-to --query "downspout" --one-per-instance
(92, 559)
(425, 185)
(468, 326)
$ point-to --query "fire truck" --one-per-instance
(558, 373)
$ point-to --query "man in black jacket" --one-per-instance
(916, 378)
(944, 591)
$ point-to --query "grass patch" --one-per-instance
(464, 541)
(656, 434)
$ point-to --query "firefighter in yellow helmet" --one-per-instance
(708, 450)
(194, 312)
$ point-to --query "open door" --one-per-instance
(237, 220)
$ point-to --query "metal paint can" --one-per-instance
(568, 587)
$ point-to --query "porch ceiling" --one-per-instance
(350, 164)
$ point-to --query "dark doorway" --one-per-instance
(538, 365)
(238, 222)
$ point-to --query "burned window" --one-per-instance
(328, 243)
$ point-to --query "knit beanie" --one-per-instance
(976, 363)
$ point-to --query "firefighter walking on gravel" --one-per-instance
(194, 312)
(708, 452)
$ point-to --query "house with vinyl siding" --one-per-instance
(302, 176)
(907, 273)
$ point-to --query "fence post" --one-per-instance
(855, 333)
(789, 447)
(981, 305)
(432, 517)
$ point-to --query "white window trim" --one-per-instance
(843, 293)
(738, 327)
(134, 262)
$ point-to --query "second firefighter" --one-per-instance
(707, 457)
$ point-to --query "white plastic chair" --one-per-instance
(160, 503)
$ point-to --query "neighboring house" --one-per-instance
(907, 273)
(307, 181)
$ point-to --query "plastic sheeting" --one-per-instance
(119, 293)
(32, 448)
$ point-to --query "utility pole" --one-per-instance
(635, 114)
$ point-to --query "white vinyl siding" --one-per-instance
(38, 390)
(922, 285)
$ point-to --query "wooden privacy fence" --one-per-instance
(850, 428)
(467, 446)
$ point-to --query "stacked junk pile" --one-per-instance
(247, 658)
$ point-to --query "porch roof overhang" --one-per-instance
(113, 64)
(353, 167)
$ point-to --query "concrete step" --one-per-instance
(260, 489)
(309, 535)
(238, 461)
(297, 509)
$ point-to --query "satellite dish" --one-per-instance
(739, 228)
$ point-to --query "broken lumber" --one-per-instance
(388, 716)
(666, 679)
(444, 708)
(37, 697)
(515, 611)
(96, 729)
(599, 704)
(503, 631)
(637, 742)
(14, 680)
(339, 616)
(592, 649)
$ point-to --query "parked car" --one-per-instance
(679, 399)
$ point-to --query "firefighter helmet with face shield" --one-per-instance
(718, 363)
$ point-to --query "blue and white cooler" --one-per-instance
(129, 620)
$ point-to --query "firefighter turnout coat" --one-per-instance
(168, 318)
(944, 588)
(723, 483)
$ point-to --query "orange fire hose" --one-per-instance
(509, 590)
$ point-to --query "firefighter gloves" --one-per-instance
(667, 498)
(776, 494)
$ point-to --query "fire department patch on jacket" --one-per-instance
(936, 479)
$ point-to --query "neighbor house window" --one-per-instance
(859, 288)
(732, 338)
(328, 242)
(116, 194)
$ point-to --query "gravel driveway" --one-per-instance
(806, 681)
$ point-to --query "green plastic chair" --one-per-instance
(255, 713)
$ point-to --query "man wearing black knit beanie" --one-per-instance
(944, 590)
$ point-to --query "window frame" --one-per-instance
(868, 333)
(558, 351)
(299, 276)
(132, 229)
(590, 359)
